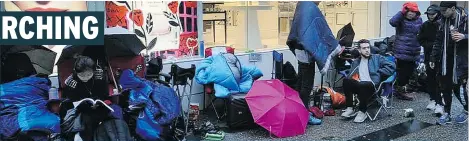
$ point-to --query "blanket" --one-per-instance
(160, 104)
(23, 107)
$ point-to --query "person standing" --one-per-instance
(406, 47)
(449, 57)
(426, 38)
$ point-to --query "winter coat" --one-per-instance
(379, 67)
(23, 107)
(427, 36)
(457, 51)
(216, 69)
(406, 46)
(310, 32)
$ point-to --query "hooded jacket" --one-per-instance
(446, 48)
(427, 36)
(406, 46)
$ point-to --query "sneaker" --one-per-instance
(348, 112)
(314, 121)
(461, 118)
(439, 109)
(431, 105)
(361, 117)
(444, 119)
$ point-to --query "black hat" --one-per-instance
(432, 9)
(448, 4)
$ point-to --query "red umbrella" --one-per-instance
(277, 108)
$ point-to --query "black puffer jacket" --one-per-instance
(427, 36)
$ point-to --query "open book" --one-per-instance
(94, 103)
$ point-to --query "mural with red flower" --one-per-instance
(166, 28)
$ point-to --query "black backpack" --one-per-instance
(290, 76)
(113, 130)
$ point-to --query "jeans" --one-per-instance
(363, 89)
(305, 81)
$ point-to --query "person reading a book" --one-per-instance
(83, 88)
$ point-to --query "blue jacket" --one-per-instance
(310, 31)
(378, 66)
(23, 107)
(215, 69)
(161, 104)
(406, 46)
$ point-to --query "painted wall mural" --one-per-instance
(166, 28)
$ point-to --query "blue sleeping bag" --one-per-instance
(215, 69)
(161, 104)
(23, 107)
(310, 31)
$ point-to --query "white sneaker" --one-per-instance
(361, 117)
(348, 112)
(439, 109)
(431, 105)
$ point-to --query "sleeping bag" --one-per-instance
(23, 107)
(310, 32)
(227, 74)
(160, 104)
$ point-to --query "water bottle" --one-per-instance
(53, 93)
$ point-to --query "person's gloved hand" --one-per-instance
(432, 65)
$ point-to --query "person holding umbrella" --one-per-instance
(406, 47)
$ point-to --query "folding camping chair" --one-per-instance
(384, 102)
(381, 100)
(277, 65)
(183, 77)
(208, 88)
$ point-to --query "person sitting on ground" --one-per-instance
(363, 79)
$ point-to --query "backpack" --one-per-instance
(112, 130)
(289, 74)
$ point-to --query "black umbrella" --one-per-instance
(346, 35)
(117, 42)
(41, 57)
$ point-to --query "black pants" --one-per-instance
(364, 90)
(432, 85)
(405, 69)
(305, 81)
(448, 88)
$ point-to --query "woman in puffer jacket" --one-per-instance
(406, 47)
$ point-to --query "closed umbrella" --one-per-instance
(277, 108)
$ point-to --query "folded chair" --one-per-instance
(183, 77)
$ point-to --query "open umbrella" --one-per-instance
(277, 108)
(345, 35)
(117, 42)
(41, 57)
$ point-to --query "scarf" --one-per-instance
(445, 43)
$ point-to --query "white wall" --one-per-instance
(390, 8)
